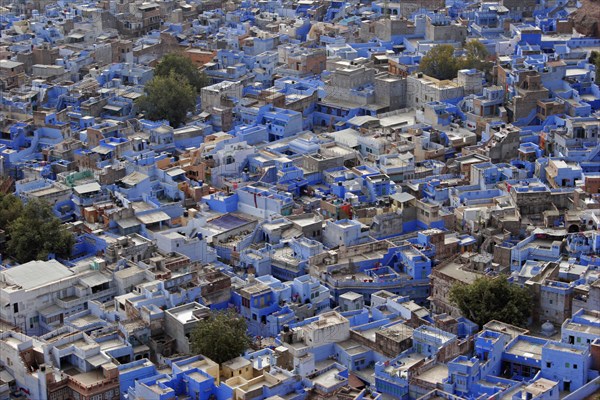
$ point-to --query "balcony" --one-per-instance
(73, 301)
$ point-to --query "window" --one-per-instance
(568, 365)
(52, 319)
(548, 364)
(574, 366)
(16, 308)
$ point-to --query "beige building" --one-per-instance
(421, 89)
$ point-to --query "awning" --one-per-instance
(175, 172)
(87, 188)
(95, 279)
(97, 360)
(51, 311)
(128, 223)
(102, 150)
(140, 349)
(112, 108)
(402, 197)
(153, 217)
(6, 377)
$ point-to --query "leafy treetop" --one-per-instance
(440, 63)
(184, 67)
(221, 337)
(167, 97)
(34, 231)
(493, 298)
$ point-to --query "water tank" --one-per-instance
(548, 328)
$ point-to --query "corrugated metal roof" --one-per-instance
(102, 149)
(175, 172)
(87, 188)
(153, 217)
(95, 279)
(134, 178)
(402, 197)
(98, 360)
(128, 223)
(112, 108)
(36, 273)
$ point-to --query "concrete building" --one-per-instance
(421, 89)
(38, 303)
(215, 95)
(180, 323)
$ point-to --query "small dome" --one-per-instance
(548, 327)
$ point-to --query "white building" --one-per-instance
(302, 342)
(38, 295)
(187, 241)
(331, 327)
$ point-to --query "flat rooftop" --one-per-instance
(85, 320)
(565, 348)
(36, 273)
(527, 349)
(588, 329)
(89, 378)
(188, 313)
(327, 379)
(229, 221)
(435, 375)
(459, 272)
(405, 363)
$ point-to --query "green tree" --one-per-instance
(221, 337)
(36, 233)
(476, 56)
(167, 97)
(490, 298)
(10, 209)
(439, 62)
(182, 66)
